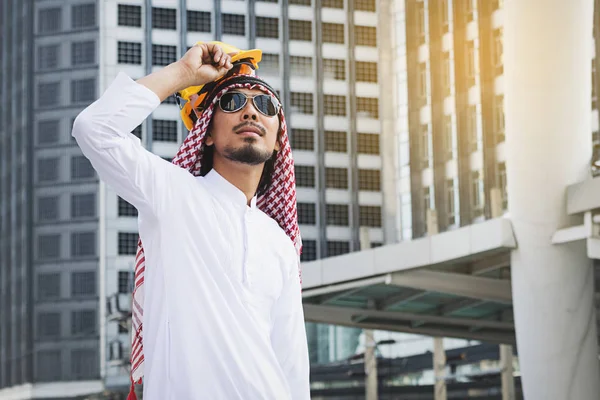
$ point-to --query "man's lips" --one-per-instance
(248, 133)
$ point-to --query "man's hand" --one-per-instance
(201, 64)
(204, 63)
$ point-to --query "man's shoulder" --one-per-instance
(273, 227)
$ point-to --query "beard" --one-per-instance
(247, 154)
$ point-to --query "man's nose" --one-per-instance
(250, 111)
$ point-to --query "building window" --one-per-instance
(83, 244)
(365, 36)
(370, 216)
(307, 213)
(302, 102)
(368, 143)
(128, 242)
(269, 64)
(83, 205)
(471, 63)
(305, 175)
(445, 16)
(364, 5)
(446, 74)
(303, 139)
(472, 128)
(267, 27)
(84, 364)
(48, 325)
(129, 15)
(450, 202)
(83, 322)
(334, 69)
(199, 21)
(301, 66)
(234, 24)
(300, 30)
(334, 105)
(426, 203)
(129, 53)
(421, 33)
(83, 52)
(469, 11)
(48, 56)
(163, 54)
(48, 286)
(422, 84)
(366, 71)
(164, 18)
(449, 137)
(300, 2)
(477, 195)
(48, 366)
(332, 4)
(424, 145)
(49, 246)
(48, 94)
(125, 209)
(367, 107)
(48, 169)
(50, 20)
(336, 248)
(164, 130)
(503, 185)
(369, 179)
(499, 118)
(81, 168)
(309, 250)
(336, 141)
(336, 178)
(332, 33)
(498, 52)
(83, 283)
(83, 16)
(337, 214)
(125, 283)
(137, 131)
(83, 90)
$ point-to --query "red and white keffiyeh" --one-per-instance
(278, 202)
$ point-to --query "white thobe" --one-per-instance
(223, 315)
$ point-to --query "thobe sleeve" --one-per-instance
(288, 337)
(103, 132)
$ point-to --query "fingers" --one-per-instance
(219, 58)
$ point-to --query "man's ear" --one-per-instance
(208, 139)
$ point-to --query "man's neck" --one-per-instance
(242, 176)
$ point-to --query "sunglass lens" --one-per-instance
(232, 102)
(265, 104)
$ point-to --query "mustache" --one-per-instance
(262, 129)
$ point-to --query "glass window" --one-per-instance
(83, 322)
(128, 242)
(369, 179)
(49, 246)
(48, 325)
(269, 64)
(49, 20)
(163, 55)
(83, 16)
(334, 105)
(84, 364)
(48, 56)
(370, 216)
(337, 214)
(364, 5)
(365, 36)
(367, 107)
(334, 69)
(309, 250)
(129, 53)
(83, 205)
(267, 27)
(366, 71)
(48, 208)
(368, 143)
(336, 141)
(336, 178)
(302, 139)
(305, 175)
(301, 66)
(199, 21)
(48, 286)
(83, 283)
(48, 169)
(477, 195)
(125, 282)
(332, 33)
(48, 94)
(307, 213)
(234, 24)
(83, 52)
(336, 248)
(129, 15)
(48, 366)
(450, 202)
(125, 209)
(83, 90)
(164, 18)
(81, 168)
(302, 102)
(300, 30)
(164, 130)
(83, 244)
(333, 3)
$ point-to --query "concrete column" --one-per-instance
(439, 369)
(371, 382)
(548, 145)
(508, 380)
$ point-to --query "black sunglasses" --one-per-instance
(232, 102)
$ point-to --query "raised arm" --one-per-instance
(103, 129)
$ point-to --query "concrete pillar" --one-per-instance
(548, 146)
(439, 369)
(508, 380)
(371, 382)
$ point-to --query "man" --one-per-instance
(217, 282)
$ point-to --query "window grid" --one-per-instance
(269, 63)
(125, 209)
(83, 16)
(334, 69)
(337, 214)
(81, 168)
(365, 36)
(303, 139)
(309, 250)
(84, 364)
(199, 21)
(137, 131)
(267, 27)
(302, 102)
(83, 52)
(48, 324)
(127, 243)
(301, 66)
(336, 178)
(333, 4)
(48, 365)
(334, 105)
(83, 244)
(234, 24)
(477, 194)
(48, 94)
(163, 55)
(368, 143)
(48, 286)
(48, 169)
(366, 71)
(336, 141)
(367, 106)
(305, 175)
(50, 20)
(450, 204)
(125, 282)
(83, 90)
(129, 53)
(332, 33)
(369, 216)
(300, 30)
(364, 5)
(48, 131)
(129, 15)
(83, 283)
(369, 180)
(83, 205)
(336, 248)
(49, 246)
(47, 209)
(164, 130)
(307, 213)
(164, 18)
(48, 56)
(83, 322)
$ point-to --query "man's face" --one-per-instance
(246, 136)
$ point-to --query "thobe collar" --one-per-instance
(223, 189)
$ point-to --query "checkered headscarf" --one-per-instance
(278, 202)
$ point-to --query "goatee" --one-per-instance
(247, 154)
